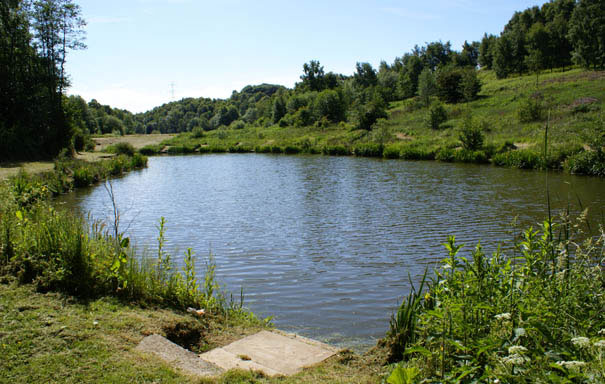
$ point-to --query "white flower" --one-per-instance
(515, 359)
(581, 342)
(516, 349)
(602, 332)
(599, 344)
(571, 364)
(503, 316)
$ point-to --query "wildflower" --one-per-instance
(599, 344)
(516, 349)
(581, 342)
(515, 359)
(503, 316)
(571, 364)
(95, 323)
(602, 332)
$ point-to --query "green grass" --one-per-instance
(562, 95)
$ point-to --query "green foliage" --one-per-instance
(457, 84)
(426, 86)
(403, 375)
(402, 330)
(436, 116)
(531, 109)
(121, 149)
(368, 150)
(470, 134)
(586, 31)
(372, 110)
(526, 316)
(35, 38)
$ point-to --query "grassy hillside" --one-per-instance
(573, 99)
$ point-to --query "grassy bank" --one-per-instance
(509, 115)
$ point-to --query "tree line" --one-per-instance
(37, 120)
(558, 34)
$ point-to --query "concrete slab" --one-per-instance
(273, 353)
(177, 356)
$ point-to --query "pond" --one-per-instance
(326, 244)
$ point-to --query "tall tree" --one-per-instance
(313, 76)
(587, 33)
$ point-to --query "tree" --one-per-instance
(365, 75)
(587, 33)
(328, 104)
(279, 109)
(313, 76)
(58, 28)
(503, 56)
(34, 40)
(370, 111)
(538, 47)
(469, 56)
(426, 86)
(486, 51)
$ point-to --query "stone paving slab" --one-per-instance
(177, 356)
(273, 353)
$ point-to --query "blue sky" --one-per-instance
(138, 48)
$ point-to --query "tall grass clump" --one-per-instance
(531, 314)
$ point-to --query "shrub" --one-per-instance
(470, 134)
(121, 149)
(531, 109)
(446, 155)
(586, 163)
(436, 115)
(522, 159)
(368, 150)
(391, 152)
(82, 177)
(291, 150)
(149, 150)
(335, 150)
(413, 152)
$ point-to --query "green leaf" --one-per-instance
(19, 215)
(125, 242)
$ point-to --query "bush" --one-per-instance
(586, 163)
(455, 84)
(391, 152)
(470, 134)
(368, 150)
(531, 109)
(413, 152)
(150, 150)
(82, 177)
(522, 159)
(121, 149)
(436, 115)
(291, 150)
(335, 150)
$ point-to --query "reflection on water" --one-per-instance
(325, 244)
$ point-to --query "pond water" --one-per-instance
(326, 244)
